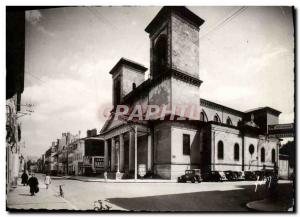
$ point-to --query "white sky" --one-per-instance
(245, 63)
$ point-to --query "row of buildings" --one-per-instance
(74, 155)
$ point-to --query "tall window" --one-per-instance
(262, 154)
(273, 155)
(251, 149)
(220, 150)
(228, 121)
(217, 119)
(160, 54)
(117, 91)
(186, 144)
(236, 151)
(133, 86)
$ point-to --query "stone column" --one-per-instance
(149, 150)
(105, 154)
(117, 145)
(131, 151)
(113, 156)
(121, 151)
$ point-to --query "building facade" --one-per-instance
(15, 53)
(216, 138)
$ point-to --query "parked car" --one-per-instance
(231, 175)
(214, 176)
(193, 175)
(240, 176)
(250, 176)
(223, 177)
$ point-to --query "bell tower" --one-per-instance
(126, 75)
(174, 41)
(174, 54)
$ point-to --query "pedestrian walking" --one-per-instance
(47, 180)
(105, 176)
(33, 184)
(24, 178)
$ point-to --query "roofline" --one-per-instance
(221, 106)
(267, 108)
(133, 64)
(180, 10)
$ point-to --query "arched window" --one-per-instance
(160, 54)
(251, 149)
(217, 119)
(236, 151)
(220, 150)
(203, 116)
(273, 155)
(228, 121)
(262, 154)
(133, 86)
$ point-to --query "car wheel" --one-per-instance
(193, 180)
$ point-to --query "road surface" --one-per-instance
(205, 196)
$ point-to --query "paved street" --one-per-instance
(226, 196)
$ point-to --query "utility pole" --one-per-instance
(135, 153)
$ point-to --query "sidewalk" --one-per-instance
(268, 206)
(96, 179)
(20, 198)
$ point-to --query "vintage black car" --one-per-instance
(250, 176)
(193, 175)
(214, 176)
(231, 175)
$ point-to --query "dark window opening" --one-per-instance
(217, 119)
(228, 121)
(186, 144)
(262, 155)
(236, 151)
(160, 55)
(273, 155)
(220, 150)
(133, 86)
(251, 149)
(117, 92)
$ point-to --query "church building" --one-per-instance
(220, 139)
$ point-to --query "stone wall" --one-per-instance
(162, 150)
(185, 95)
(130, 76)
(185, 46)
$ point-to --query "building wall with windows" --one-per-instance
(185, 149)
(226, 148)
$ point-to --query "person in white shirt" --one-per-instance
(47, 181)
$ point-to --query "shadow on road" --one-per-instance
(216, 201)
